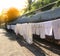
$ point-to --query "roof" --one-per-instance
(41, 16)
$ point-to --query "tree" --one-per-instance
(36, 4)
(12, 13)
(29, 4)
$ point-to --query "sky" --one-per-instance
(5, 4)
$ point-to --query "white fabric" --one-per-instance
(29, 38)
(42, 30)
(37, 27)
(27, 33)
(8, 26)
(13, 27)
(16, 29)
(20, 29)
(56, 28)
(33, 28)
(24, 30)
(48, 28)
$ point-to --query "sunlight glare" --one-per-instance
(5, 4)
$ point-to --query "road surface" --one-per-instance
(9, 46)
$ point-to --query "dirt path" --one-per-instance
(10, 47)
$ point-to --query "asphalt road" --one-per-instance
(12, 45)
(9, 46)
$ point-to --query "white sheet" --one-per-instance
(24, 30)
(48, 28)
(16, 29)
(37, 25)
(42, 30)
(13, 27)
(33, 28)
(20, 29)
(27, 33)
(56, 29)
(8, 26)
(29, 37)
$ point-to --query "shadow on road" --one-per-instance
(34, 48)
(47, 45)
(11, 35)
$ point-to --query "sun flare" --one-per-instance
(5, 4)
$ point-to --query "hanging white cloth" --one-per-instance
(48, 28)
(29, 37)
(20, 29)
(8, 26)
(13, 27)
(42, 30)
(56, 29)
(24, 30)
(37, 27)
(33, 28)
(16, 29)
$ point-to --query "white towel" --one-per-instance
(33, 28)
(29, 37)
(16, 29)
(13, 27)
(8, 26)
(37, 25)
(24, 30)
(27, 33)
(56, 29)
(48, 28)
(42, 30)
(20, 29)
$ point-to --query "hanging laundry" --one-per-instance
(29, 37)
(33, 28)
(13, 27)
(37, 28)
(24, 30)
(56, 29)
(8, 27)
(16, 29)
(48, 28)
(20, 29)
(42, 30)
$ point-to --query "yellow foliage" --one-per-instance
(3, 17)
(12, 13)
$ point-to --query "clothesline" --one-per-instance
(44, 28)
